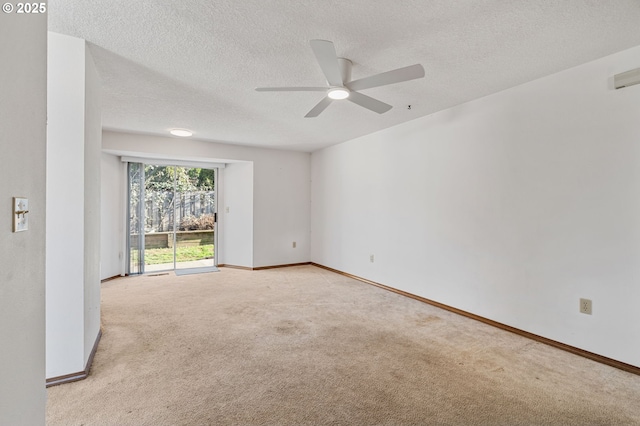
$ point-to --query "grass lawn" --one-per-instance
(183, 254)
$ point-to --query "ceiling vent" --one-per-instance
(626, 79)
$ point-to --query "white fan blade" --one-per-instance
(321, 106)
(291, 89)
(326, 55)
(390, 77)
(369, 103)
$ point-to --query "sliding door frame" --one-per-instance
(140, 266)
(140, 212)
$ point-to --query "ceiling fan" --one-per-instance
(339, 85)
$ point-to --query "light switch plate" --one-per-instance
(20, 214)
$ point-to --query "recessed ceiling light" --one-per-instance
(338, 93)
(181, 132)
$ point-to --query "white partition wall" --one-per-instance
(511, 207)
(92, 212)
(73, 206)
(23, 115)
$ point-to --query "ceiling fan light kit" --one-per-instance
(337, 71)
(338, 93)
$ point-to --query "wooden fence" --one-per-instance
(162, 210)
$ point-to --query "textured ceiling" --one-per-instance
(195, 63)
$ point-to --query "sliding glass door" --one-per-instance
(172, 218)
(196, 218)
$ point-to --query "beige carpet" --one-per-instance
(305, 346)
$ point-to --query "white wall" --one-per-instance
(282, 203)
(511, 207)
(73, 206)
(65, 205)
(23, 49)
(281, 189)
(112, 220)
(236, 215)
(92, 193)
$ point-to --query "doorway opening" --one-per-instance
(172, 215)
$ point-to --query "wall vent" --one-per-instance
(626, 79)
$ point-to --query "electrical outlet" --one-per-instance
(371, 258)
(585, 306)
(294, 244)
